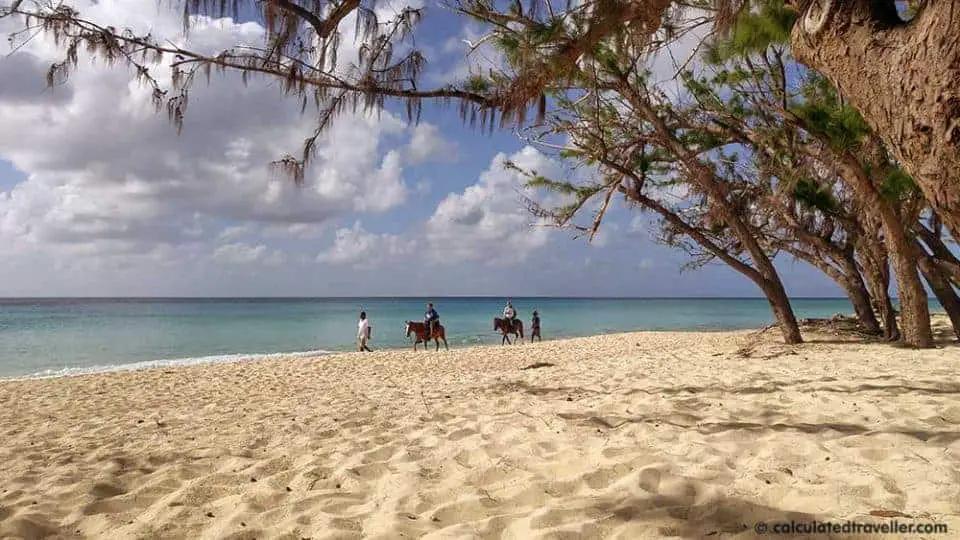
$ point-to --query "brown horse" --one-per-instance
(420, 331)
(504, 327)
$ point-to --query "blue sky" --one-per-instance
(99, 197)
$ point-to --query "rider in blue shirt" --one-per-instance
(430, 318)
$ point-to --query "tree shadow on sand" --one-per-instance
(702, 425)
(927, 387)
(685, 514)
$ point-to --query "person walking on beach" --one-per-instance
(535, 331)
(430, 318)
(363, 332)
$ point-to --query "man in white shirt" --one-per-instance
(509, 314)
(363, 332)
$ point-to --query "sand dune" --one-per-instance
(645, 435)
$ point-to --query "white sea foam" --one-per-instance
(176, 362)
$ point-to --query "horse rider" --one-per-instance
(430, 318)
(509, 315)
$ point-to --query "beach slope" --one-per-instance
(644, 435)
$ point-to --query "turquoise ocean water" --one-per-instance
(48, 337)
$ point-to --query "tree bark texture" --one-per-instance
(949, 263)
(857, 292)
(776, 295)
(876, 272)
(915, 313)
(904, 78)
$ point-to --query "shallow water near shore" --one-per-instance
(51, 337)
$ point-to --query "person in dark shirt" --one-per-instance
(535, 331)
(430, 319)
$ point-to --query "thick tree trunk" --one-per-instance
(772, 285)
(944, 292)
(782, 310)
(915, 313)
(914, 307)
(904, 78)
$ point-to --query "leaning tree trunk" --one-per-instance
(880, 286)
(904, 78)
(769, 279)
(944, 292)
(876, 272)
(776, 295)
(859, 295)
(914, 306)
(914, 310)
(948, 262)
(857, 292)
(765, 276)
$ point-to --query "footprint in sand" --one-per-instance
(384, 453)
(103, 506)
(650, 480)
(464, 512)
(602, 478)
(29, 526)
(372, 471)
(461, 434)
(875, 454)
(951, 415)
(105, 491)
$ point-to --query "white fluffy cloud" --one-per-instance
(239, 253)
(427, 143)
(487, 221)
(113, 199)
(355, 247)
(105, 173)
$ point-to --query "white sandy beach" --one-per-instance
(644, 435)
